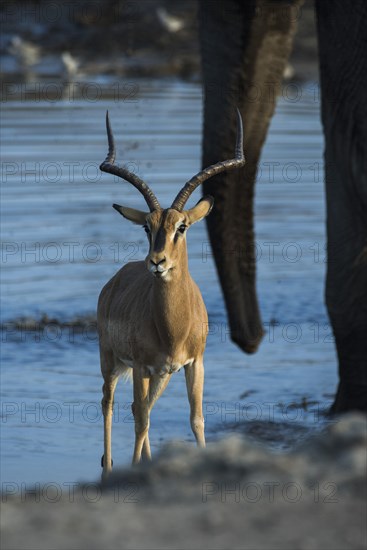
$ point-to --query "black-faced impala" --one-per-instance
(151, 316)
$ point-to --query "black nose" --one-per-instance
(159, 262)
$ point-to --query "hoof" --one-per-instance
(102, 461)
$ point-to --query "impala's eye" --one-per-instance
(146, 229)
(182, 228)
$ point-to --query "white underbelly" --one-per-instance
(127, 362)
(160, 370)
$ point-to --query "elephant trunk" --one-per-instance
(245, 46)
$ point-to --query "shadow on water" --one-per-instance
(62, 242)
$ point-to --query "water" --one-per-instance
(61, 241)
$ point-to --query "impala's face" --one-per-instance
(166, 232)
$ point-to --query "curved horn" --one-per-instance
(108, 165)
(212, 170)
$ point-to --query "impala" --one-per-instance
(152, 320)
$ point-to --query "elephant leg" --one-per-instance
(343, 72)
(245, 46)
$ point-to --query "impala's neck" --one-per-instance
(172, 304)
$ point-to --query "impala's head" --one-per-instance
(166, 231)
(166, 228)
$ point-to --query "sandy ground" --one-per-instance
(231, 495)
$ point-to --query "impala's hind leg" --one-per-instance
(141, 410)
(109, 386)
(146, 392)
(157, 386)
(146, 453)
(194, 382)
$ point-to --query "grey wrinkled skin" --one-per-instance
(245, 46)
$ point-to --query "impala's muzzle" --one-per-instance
(158, 268)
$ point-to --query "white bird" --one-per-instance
(70, 65)
(169, 22)
(26, 53)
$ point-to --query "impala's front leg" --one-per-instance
(195, 382)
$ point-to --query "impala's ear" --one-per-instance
(135, 216)
(201, 209)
